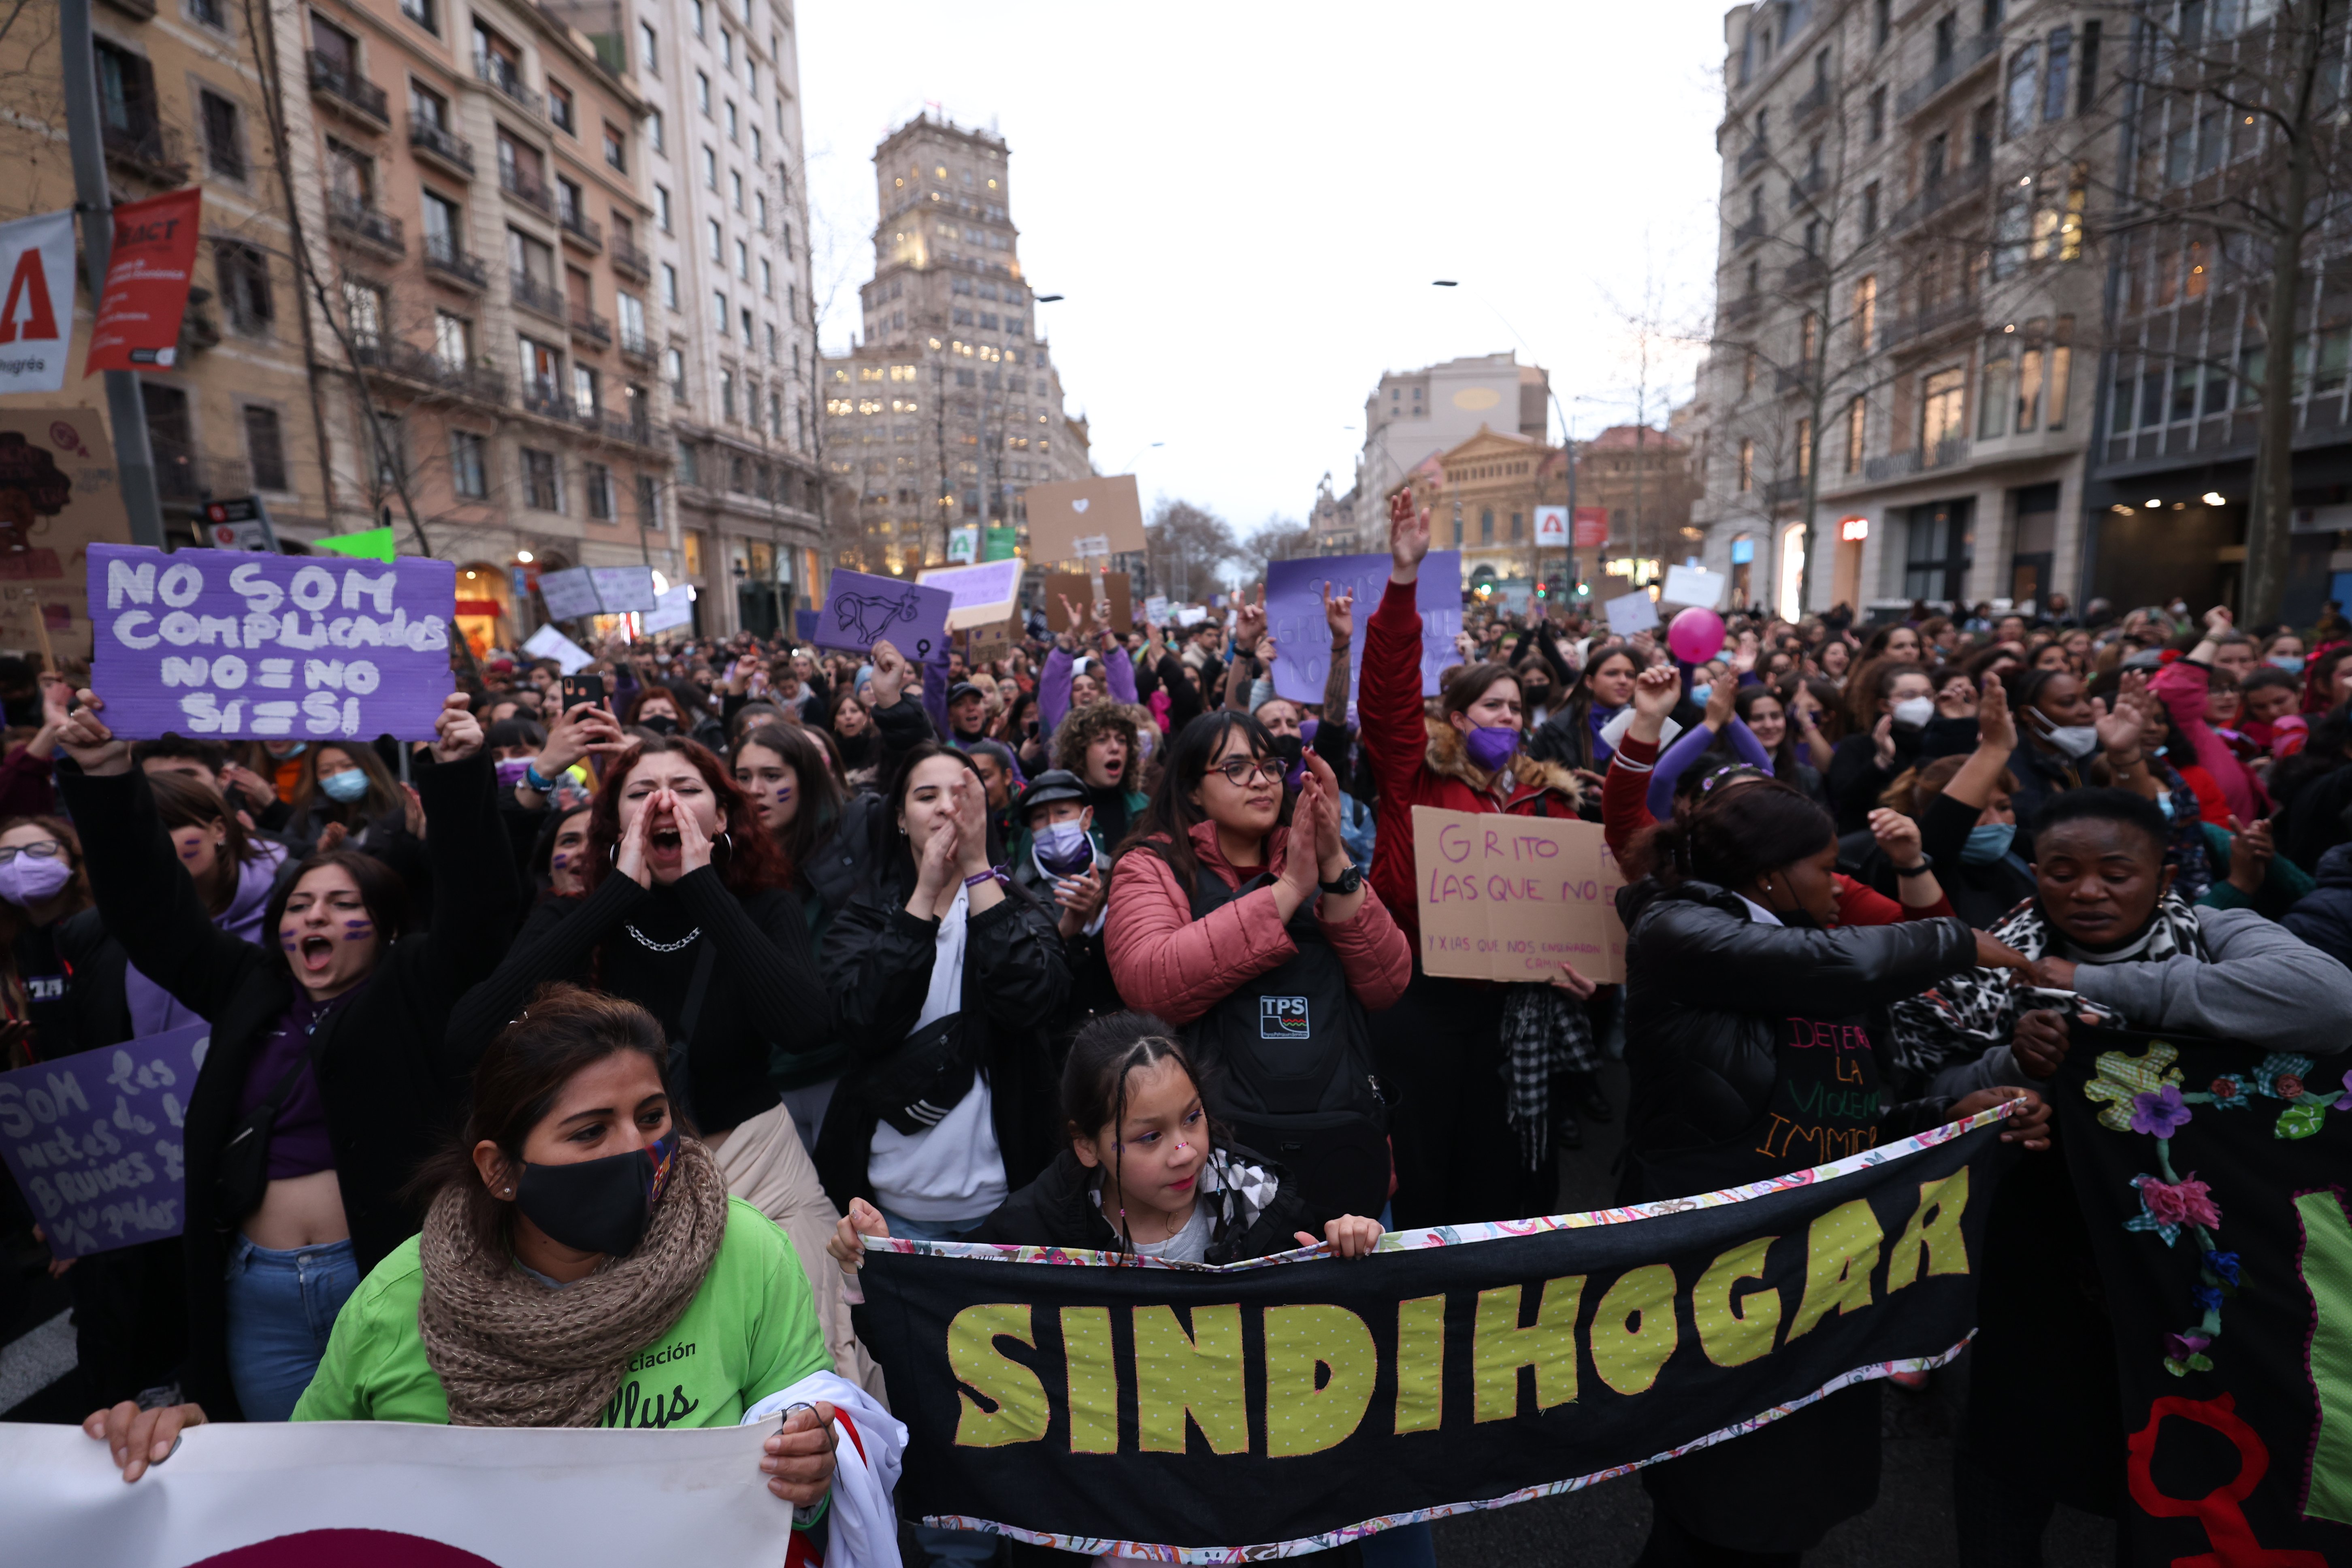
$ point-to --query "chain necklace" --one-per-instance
(652, 946)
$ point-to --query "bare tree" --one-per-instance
(1188, 547)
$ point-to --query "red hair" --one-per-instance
(748, 863)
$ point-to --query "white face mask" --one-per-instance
(1914, 711)
(2074, 740)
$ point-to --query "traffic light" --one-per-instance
(1543, 589)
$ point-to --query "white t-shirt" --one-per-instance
(1189, 1245)
(952, 1171)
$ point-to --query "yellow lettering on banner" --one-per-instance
(1303, 1342)
(1735, 1333)
(1093, 1379)
(1197, 1375)
(1840, 1251)
(1499, 1347)
(1420, 1364)
(1020, 1399)
(1634, 1330)
(1946, 1250)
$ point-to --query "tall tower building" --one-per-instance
(949, 405)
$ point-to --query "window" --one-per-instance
(702, 92)
(2053, 84)
(364, 313)
(2030, 370)
(1935, 553)
(1865, 312)
(661, 208)
(2000, 378)
(2086, 82)
(747, 328)
(445, 227)
(1882, 22)
(670, 286)
(569, 209)
(587, 397)
(734, 123)
(735, 182)
(1873, 115)
(542, 480)
(1805, 447)
(649, 50)
(453, 340)
(616, 148)
(743, 261)
(1870, 209)
(2060, 372)
(727, 394)
(767, 278)
(718, 237)
(469, 469)
(2212, 137)
(541, 368)
(760, 209)
(559, 109)
(243, 274)
(1747, 464)
(690, 464)
(631, 311)
(1943, 404)
(223, 140)
(726, 48)
(597, 480)
(709, 169)
(1486, 522)
(649, 505)
(420, 13)
(718, 312)
(755, 144)
(265, 447)
(694, 13)
(1855, 423)
(674, 371)
(1808, 338)
(2024, 99)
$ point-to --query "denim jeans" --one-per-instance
(281, 1307)
(944, 1546)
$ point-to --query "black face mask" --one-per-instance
(598, 1205)
(659, 723)
(1291, 750)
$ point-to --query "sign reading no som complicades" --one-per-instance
(238, 646)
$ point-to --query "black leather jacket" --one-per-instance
(1706, 986)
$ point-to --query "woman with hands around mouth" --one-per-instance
(327, 1079)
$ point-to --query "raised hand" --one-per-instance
(89, 743)
(693, 844)
(1996, 725)
(1897, 836)
(1656, 692)
(890, 672)
(1339, 615)
(629, 860)
(458, 733)
(1719, 703)
(1408, 536)
(1249, 623)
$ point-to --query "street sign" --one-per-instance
(1551, 528)
(241, 522)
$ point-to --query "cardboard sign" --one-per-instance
(58, 496)
(570, 656)
(239, 647)
(1693, 586)
(147, 277)
(1632, 612)
(36, 316)
(1079, 589)
(982, 594)
(569, 595)
(984, 643)
(1104, 511)
(1513, 898)
(94, 1140)
(861, 610)
(1302, 637)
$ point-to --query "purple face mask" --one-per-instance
(27, 879)
(1492, 746)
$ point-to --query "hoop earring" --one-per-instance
(726, 842)
(612, 856)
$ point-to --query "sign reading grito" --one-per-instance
(1290, 1404)
(238, 646)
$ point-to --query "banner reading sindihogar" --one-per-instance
(1287, 1406)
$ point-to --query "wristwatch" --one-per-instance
(1351, 881)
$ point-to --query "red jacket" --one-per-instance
(1417, 762)
(1165, 961)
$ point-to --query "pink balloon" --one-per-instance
(1695, 634)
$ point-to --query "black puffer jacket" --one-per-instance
(1706, 986)
(1058, 1209)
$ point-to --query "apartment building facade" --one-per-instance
(183, 99)
(1909, 300)
(950, 403)
(1414, 414)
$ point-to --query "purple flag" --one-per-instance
(94, 1140)
(238, 646)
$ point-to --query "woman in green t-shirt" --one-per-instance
(581, 1265)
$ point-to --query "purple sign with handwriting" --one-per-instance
(238, 646)
(861, 610)
(1302, 638)
(94, 1140)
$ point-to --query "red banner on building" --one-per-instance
(146, 283)
(1591, 527)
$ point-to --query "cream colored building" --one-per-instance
(1414, 414)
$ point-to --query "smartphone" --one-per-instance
(579, 688)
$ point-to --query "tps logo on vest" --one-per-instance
(1283, 1018)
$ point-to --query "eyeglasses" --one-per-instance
(48, 849)
(1242, 772)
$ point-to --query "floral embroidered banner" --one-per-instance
(1290, 1404)
(2213, 1178)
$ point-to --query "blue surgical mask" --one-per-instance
(1701, 693)
(347, 786)
(2290, 662)
(1987, 842)
(2164, 804)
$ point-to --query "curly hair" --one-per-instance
(1084, 726)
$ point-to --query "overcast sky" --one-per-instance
(1245, 204)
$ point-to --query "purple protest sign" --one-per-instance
(862, 610)
(94, 1140)
(1302, 640)
(238, 646)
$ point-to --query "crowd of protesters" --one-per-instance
(651, 991)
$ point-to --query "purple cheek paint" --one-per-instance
(357, 929)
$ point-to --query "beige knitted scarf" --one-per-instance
(511, 1353)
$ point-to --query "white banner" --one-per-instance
(341, 1491)
(36, 302)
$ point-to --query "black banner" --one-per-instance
(2212, 1178)
(1214, 1414)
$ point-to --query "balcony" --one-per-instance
(545, 400)
(186, 476)
(1795, 377)
(1928, 323)
(635, 345)
(501, 75)
(541, 299)
(1782, 492)
(1945, 454)
(636, 432)
(1805, 272)
(437, 145)
(1751, 229)
(581, 230)
(423, 367)
(1962, 184)
(1816, 99)
(629, 258)
(590, 327)
(527, 188)
(1949, 72)
(361, 223)
(1740, 311)
(1808, 183)
(139, 10)
(1752, 154)
(451, 263)
(341, 89)
(150, 153)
